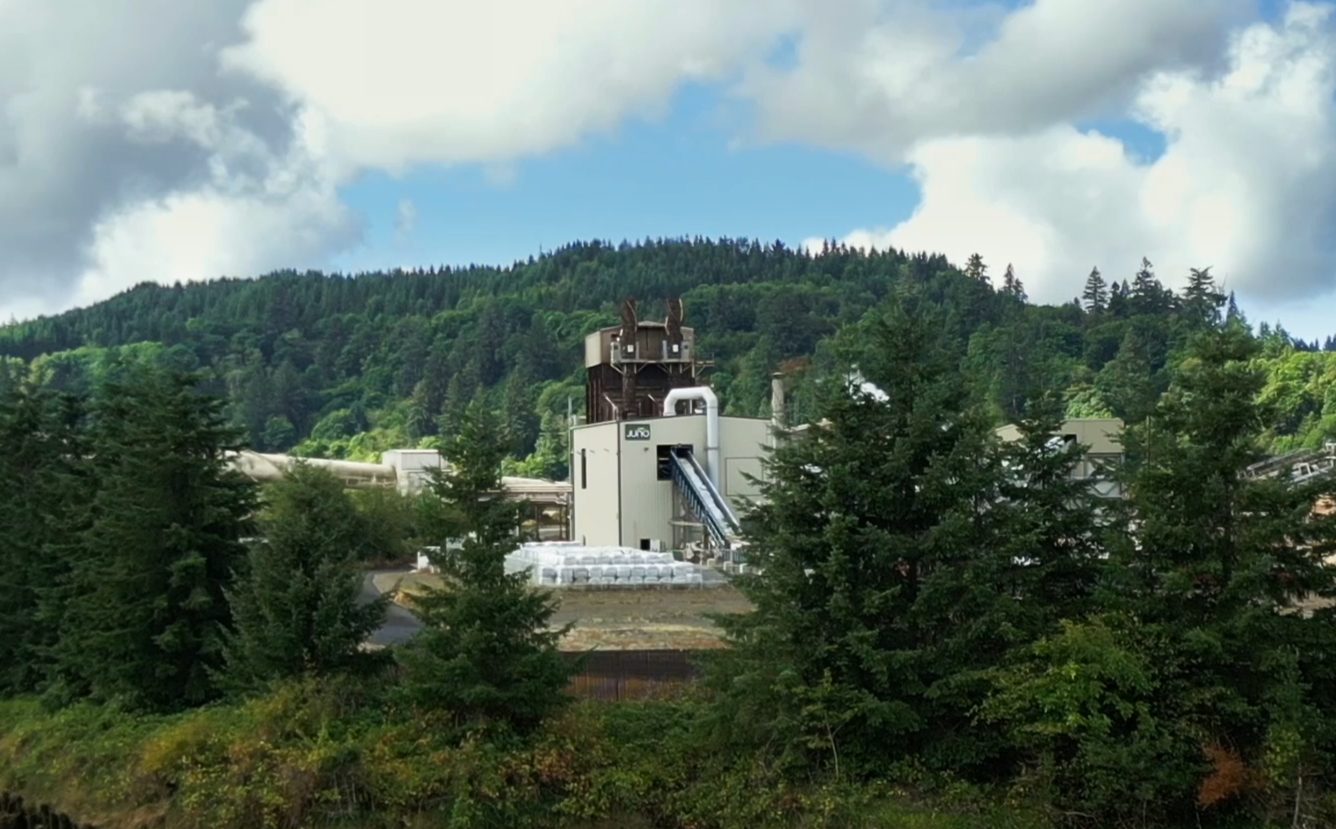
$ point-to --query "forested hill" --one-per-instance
(349, 366)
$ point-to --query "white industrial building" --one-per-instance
(655, 466)
(670, 482)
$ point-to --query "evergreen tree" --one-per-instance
(41, 462)
(462, 392)
(487, 656)
(295, 607)
(1216, 562)
(1201, 300)
(1232, 313)
(1049, 521)
(1129, 382)
(145, 609)
(521, 421)
(1211, 542)
(551, 457)
(976, 269)
(860, 621)
(1147, 294)
(1096, 294)
(1012, 285)
(1119, 301)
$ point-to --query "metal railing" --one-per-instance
(703, 500)
(1303, 465)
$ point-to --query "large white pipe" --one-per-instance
(268, 468)
(711, 423)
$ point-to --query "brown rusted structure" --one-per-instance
(632, 367)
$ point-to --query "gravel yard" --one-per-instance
(613, 619)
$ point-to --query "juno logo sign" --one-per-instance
(637, 431)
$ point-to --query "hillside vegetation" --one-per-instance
(946, 629)
(338, 366)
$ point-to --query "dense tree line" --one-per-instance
(139, 568)
(338, 366)
(932, 598)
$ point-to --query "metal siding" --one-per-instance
(1100, 434)
(742, 444)
(736, 485)
(596, 507)
(647, 502)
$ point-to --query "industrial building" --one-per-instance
(409, 471)
(1102, 437)
(654, 465)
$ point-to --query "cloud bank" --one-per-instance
(1247, 181)
(156, 140)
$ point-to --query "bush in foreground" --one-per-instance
(327, 754)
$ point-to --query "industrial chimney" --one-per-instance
(777, 411)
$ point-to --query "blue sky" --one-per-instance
(681, 175)
(686, 174)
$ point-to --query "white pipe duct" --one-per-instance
(268, 468)
(705, 393)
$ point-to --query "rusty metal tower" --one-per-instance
(631, 367)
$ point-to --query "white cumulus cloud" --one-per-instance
(1246, 184)
(402, 82)
(161, 140)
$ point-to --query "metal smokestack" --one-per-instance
(777, 411)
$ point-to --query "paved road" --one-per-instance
(400, 625)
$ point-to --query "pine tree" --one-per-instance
(856, 637)
(462, 392)
(295, 607)
(487, 656)
(1049, 522)
(1147, 295)
(1096, 294)
(1012, 285)
(1232, 313)
(1129, 382)
(41, 462)
(521, 422)
(145, 609)
(1201, 299)
(1211, 542)
(1215, 562)
(976, 269)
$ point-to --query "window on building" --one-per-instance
(584, 471)
(664, 456)
(644, 544)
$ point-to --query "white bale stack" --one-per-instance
(569, 564)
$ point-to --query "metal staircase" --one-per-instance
(1302, 466)
(703, 500)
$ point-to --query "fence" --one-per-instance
(612, 676)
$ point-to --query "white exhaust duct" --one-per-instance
(711, 423)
